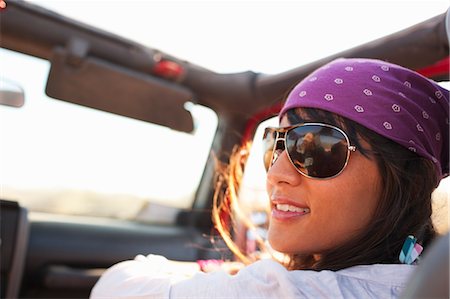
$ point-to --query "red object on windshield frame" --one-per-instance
(168, 69)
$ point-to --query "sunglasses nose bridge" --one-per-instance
(278, 147)
(280, 141)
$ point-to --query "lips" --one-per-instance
(291, 208)
(286, 209)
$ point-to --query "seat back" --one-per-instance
(431, 278)
(14, 229)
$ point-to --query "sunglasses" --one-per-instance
(316, 150)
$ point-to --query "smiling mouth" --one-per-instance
(291, 208)
(286, 212)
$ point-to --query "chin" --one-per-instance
(282, 248)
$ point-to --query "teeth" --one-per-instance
(286, 208)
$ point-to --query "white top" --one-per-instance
(154, 277)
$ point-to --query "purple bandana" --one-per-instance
(392, 101)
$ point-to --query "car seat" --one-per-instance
(431, 278)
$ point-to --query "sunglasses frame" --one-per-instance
(281, 137)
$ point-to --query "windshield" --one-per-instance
(63, 158)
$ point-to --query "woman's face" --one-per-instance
(327, 212)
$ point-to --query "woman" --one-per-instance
(342, 209)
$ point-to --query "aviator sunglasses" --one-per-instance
(316, 150)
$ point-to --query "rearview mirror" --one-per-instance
(11, 94)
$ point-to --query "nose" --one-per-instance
(282, 171)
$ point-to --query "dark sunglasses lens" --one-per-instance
(268, 144)
(317, 151)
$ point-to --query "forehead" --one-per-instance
(284, 122)
(301, 115)
(304, 115)
(296, 116)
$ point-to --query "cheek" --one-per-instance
(354, 211)
(357, 196)
(346, 206)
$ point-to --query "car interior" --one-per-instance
(57, 256)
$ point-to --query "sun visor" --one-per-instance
(105, 86)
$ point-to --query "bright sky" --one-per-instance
(228, 36)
